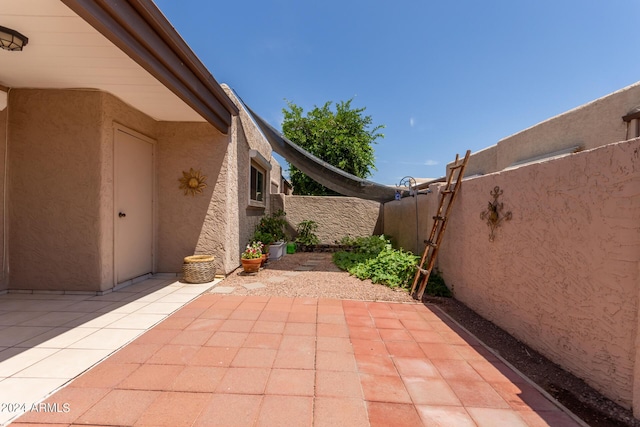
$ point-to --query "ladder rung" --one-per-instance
(448, 191)
(439, 218)
(430, 243)
(422, 271)
(456, 166)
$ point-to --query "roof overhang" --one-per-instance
(127, 48)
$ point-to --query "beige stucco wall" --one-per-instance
(54, 189)
(591, 125)
(4, 279)
(407, 230)
(337, 217)
(563, 274)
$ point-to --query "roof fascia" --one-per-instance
(140, 30)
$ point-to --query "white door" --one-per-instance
(133, 206)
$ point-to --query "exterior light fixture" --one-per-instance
(11, 39)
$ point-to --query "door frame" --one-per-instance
(117, 127)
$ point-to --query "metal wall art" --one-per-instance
(192, 182)
(493, 215)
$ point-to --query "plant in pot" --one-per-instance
(252, 257)
(266, 239)
(306, 238)
(271, 229)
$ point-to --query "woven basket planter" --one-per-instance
(199, 269)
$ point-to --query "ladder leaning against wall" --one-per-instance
(447, 197)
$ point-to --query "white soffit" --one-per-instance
(65, 52)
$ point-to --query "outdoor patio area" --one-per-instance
(243, 360)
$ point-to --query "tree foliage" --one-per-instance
(343, 138)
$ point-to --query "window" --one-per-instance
(256, 193)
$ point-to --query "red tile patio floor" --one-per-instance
(267, 361)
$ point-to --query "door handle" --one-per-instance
(122, 214)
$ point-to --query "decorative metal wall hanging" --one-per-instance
(493, 215)
(192, 182)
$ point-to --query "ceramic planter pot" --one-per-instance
(251, 265)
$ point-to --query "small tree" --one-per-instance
(341, 138)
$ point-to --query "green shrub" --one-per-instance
(306, 235)
(436, 286)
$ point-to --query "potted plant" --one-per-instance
(270, 230)
(252, 257)
(306, 238)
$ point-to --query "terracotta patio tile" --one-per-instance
(291, 382)
(229, 410)
(152, 377)
(458, 370)
(198, 379)
(79, 400)
(523, 396)
(262, 340)
(364, 333)
(335, 344)
(134, 353)
(232, 325)
(383, 388)
(156, 336)
(119, 407)
(354, 304)
(418, 325)
(174, 322)
(332, 319)
(268, 327)
(490, 417)
(244, 381)
(254, 358)
(216, 313)
(173, 409)
(444, 416)
(301, 318)
(227, 339)
(398, 307)
(340, 411)
(303, 308)
(329, 301)
(241, 314)
(416, 367)
(547, 418)
(378, 305)
(369, 347)
(335, 361)
(440, 351)
(295, 359)
(191, 337)
(494, 372)
(477, 394)
(210, 325)
(404, 349)
(214, 356)
(383, 414)
(376, 364)
(427, 337)
(188, 312)
(174, 355)
(105, 375)
(332, 330)
(385, 323)
(395, 335)
(356, 312)
(308, 329)
(251, 305)
(408, 315)
(298, 343)
(359, 321)
(338, 384)
(330, 309)
(430, 391)
(273, 316)
(300, 300)
(283, 410)
(254, 299)
(228, 303)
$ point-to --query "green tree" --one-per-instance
(343, 139)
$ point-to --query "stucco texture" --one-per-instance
(337, 217)
(400, 221)
(4, 282)
(562, 275)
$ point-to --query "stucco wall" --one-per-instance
(54, 187)
(406, 229)
(4, 279)
(591, 125)
(337, 217)
(563, 274)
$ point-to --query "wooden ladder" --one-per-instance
(447, 197)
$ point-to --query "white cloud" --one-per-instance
(430, 163)
(412, 121)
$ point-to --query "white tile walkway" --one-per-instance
(48, 339)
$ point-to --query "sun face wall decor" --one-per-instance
(192, 182)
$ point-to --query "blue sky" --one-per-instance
(442, 76)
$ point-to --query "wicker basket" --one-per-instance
(199, 269)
